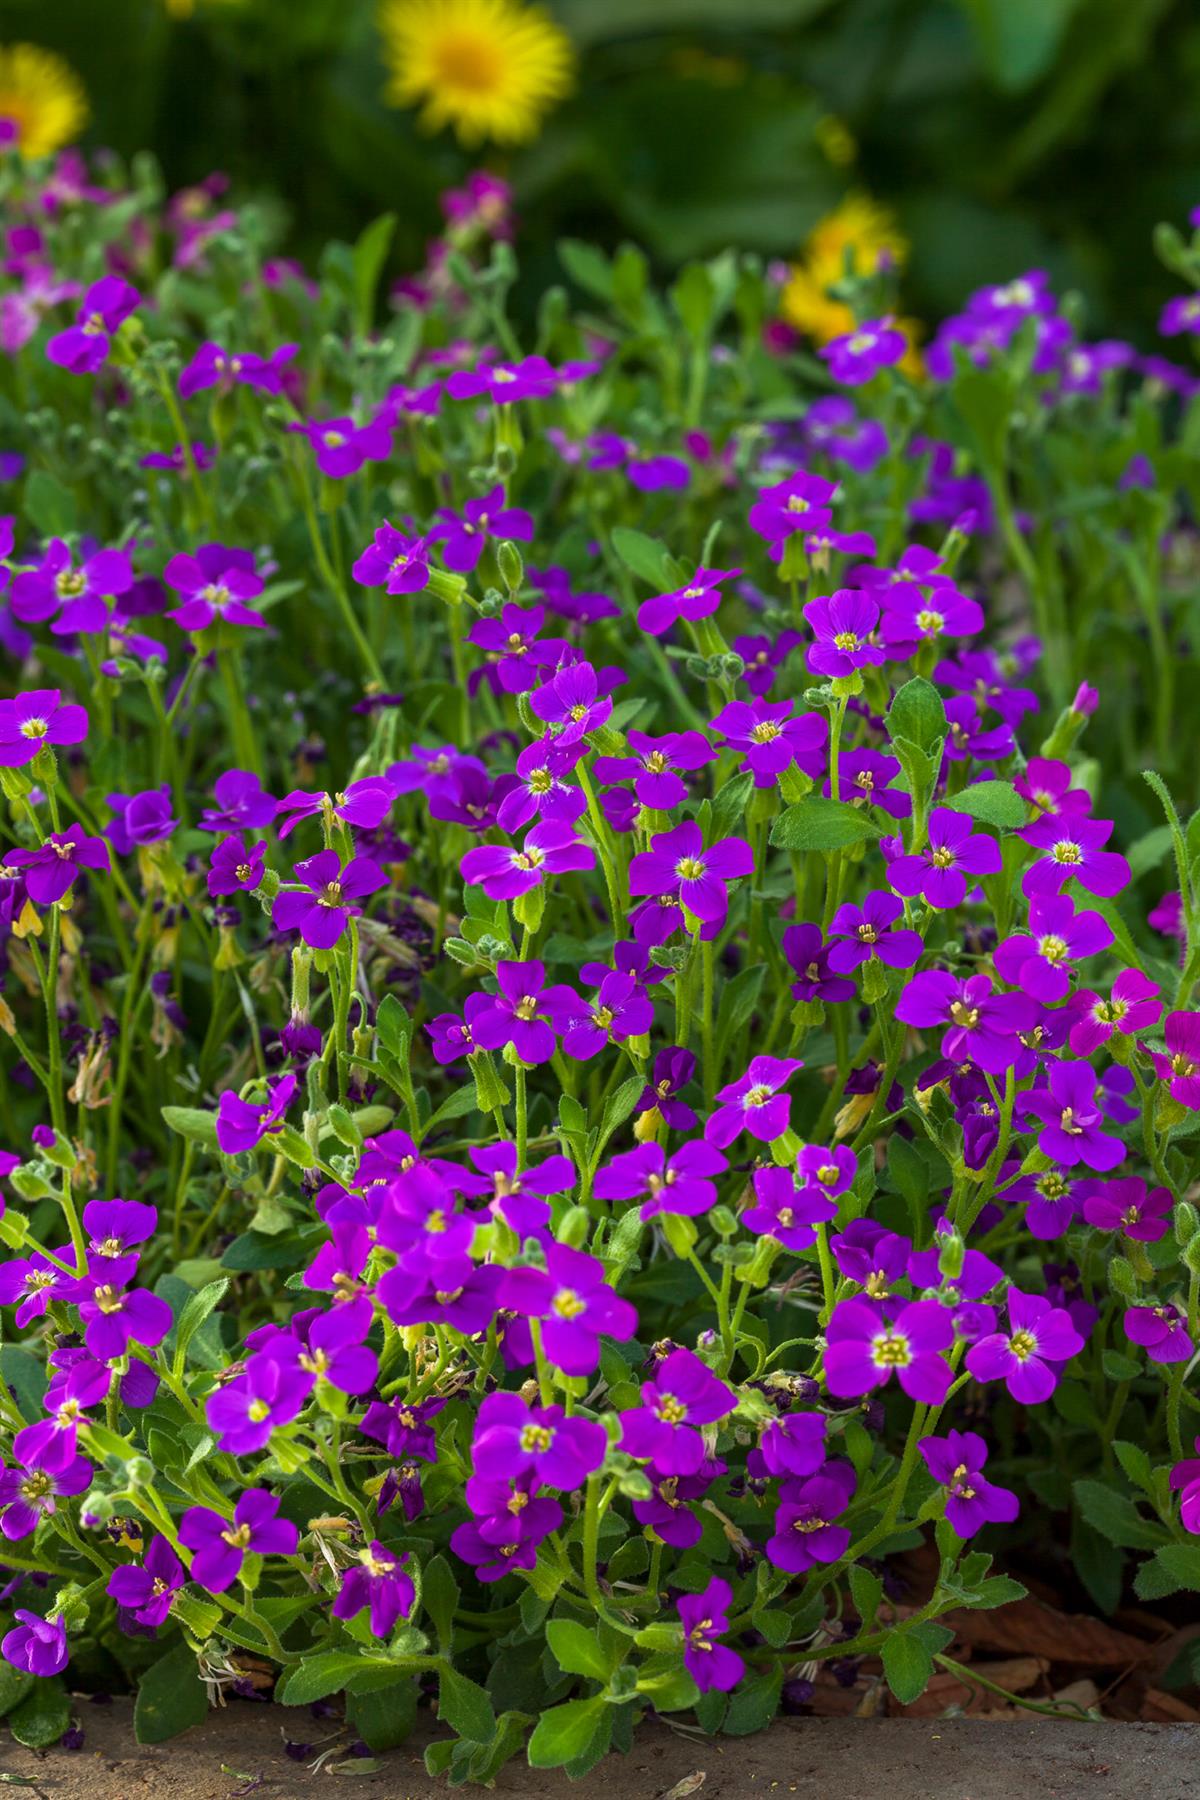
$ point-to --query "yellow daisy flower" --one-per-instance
(489, 68)
(42, 97)
(862, 227)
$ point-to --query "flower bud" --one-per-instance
(512, 569)
(1121, 1278)
(30, 1182)
(1191, 1255)
(343, 1127)
(55, 1149)
(1187, 1222)
(575, 1227)
(951, 1255)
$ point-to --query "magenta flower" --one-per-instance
(1040, 1337)
(575, 1304)
(654, 764)
(864, 1349)
(364, 804)
(113, 1318)
(1180, 1068)
(466, 533)
(982, 1025)
(220, 1545)
(549, 848)
(913, 616)
(956, 1461)
(804, 1534)
(1071, 1119)
(84, 346)
(572, 699)
(242, 804)
(532, 378)
(215, 584)
(394, 561)
(1038, 962)
(754, 1103)
(1070, 844)
(267, 1393)
(213, 367)
(858, 933)
(864, 778)
(242, 1126)
(51, 869)
(514, 1014)
(809, 956)
(341, 446)
(1128, 1206)
(515, 658)
(704, 1617)
(80, 592)
(798, 503)
(378, 1583)
(794, 1445)
(683, 1184)
(954, 851)
(682, 1396)
(1161, 1331)
(36, 717)
(771, 740)
(843, 624)
(234, 869)
(513, 1439)
(1132, 1006)
(785, 1212)
(860, 354)
(698, 600)
(34, 1645)
(679, 872)
(325, 906)
(147, 1589)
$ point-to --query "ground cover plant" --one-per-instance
(599, 944)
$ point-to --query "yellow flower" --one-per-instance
(860, 227)
(42, 97)
(489, 68)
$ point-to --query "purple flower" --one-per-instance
(242, 1125)
(1161, 1331)
(1071, 1119)
(50, 870)
(956, 1462)
(29, 1495)
(1182, 314)
(266, 1393)
(753, 1103)
(681, 1185)
(364, 804)
(394, 561)
(983, 1025)
(532, 378)
(114, 1318)
(81, 593)
(549, 848)
(513, 1439)
(1038, 961)
(513, 1015)
(341, 446)
(860, 354)
(843, 624)
(667, 1511)
(679, 872)
(242, 804)
(84, 346)
(220, 1545)
(36, 1646)
(621, 1010)
(771, 740)
(1180, 1068)
(405, 1429)
(785, 1212)
(1129, 1207)
(1069, 844)
(795, 1445)
(698, 600)
(672, 1070)
(858, 933)
(215, 584)
(465, 534)
(864, 778)
(682, 1396)
(147, 1589)
(575, 1304)
(233, 868)
(832, 425)
(915, 614)
(323, 910)
(1040, 1335)
(1132, 1006)
(804, 1535)
(704, 1617)
(38, 716)
(939, 871)
(653, 766)
(213, 367)
(143, 818)
(865, 1349)
(805, 951)
(798, 503)
(379, 1583)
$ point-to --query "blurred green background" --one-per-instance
(1003, 133)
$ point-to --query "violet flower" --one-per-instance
(754, 1103)
(953, 851)
(712, 1666)
(147, 1589)
(34, 718)
(956, 1461)
(84, 346)
(380, 1584)
(1040, 1337)
(682, 1396)
(322, 912)
(34, 1645)
(220, 1545)
(864, 1349)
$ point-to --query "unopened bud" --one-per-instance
(1122, 1279)
(575, 1227)
(951, 1255)
(512, 569)
(1187, 1222)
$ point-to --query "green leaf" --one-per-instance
(368, 258)
(194, 1314)
(49, 508)
(998, 1590)
(576, 1650)
(917, 713)
(1115, 1517)
(385, 1719)
(644, 555)
(775, 1625)
(739, 997)
(393, 1027)
(439, 1597)
(992, 802)
(1018, 39)
(587, 266)
(171, 1697)
(14, 1685)
(729, 806)
(1174, 1566)
(694, 298)
(465, 1707)
(192, 1122)
(907, 1665)
(329, 1671)
(619, 1107)
(564, 1732)
(199, 1615)
(1136, 1464)
(816, 823)
(42, 1716)
(25, 1378)
(984, 399)
(867, 1592)
(753, 1704)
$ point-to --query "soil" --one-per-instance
(240, 1752)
